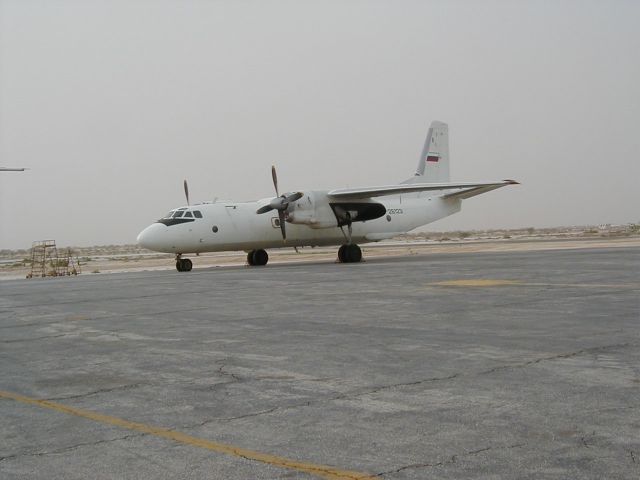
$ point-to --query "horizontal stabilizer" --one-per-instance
(473, 191)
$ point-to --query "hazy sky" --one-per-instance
(111, 104)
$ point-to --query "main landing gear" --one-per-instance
(350, 253)
(183, 264)
(257, 258)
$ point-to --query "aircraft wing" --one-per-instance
(463, 190)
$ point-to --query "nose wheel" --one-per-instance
(183, 264)
(350, 253)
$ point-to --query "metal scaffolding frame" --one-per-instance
(47, 262)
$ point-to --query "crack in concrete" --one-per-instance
(489, 371)
(216, 386)
(71, 447)
(381, 388)
(415, 466)
(612, 409)
(451, 460)
(18, 340)
(230, 419)
(99, 391)
(247, 415)
(235, 377)
(561, 355)
(396, 385)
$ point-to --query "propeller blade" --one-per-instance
(274, 176)
(294, 197)
(186, 191)
(282, 226)
(265, 209)
(280, 203)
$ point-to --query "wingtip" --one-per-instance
(512, 182)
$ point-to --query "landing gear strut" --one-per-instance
(350, 253)
(183, 264)
(257, 258)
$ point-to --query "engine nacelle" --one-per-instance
(318, 210)
(312, 209)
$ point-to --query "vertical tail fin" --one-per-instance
(433, 166)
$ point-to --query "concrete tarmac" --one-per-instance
(470, 365)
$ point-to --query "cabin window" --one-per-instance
(214, 229)
(178, 214)
(188, 214)
(197, 214)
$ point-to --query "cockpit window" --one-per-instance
(168, 215)
(188, 214)
(197, 214)
(178, 214)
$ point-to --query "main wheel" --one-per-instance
(354, 254)
(260, 258)
(250, 258)
(341, 254)
(350, 253)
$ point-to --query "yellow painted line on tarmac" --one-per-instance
(488, 282)
(321, 471)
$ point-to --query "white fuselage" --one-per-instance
(237, 226)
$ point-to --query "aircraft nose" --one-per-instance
(151, 236)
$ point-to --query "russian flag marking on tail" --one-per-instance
(433, 162)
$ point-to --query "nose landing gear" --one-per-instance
(183, 264)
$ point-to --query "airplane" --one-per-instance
(345, 216)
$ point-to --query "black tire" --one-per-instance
(184, 265)
(350, 254)
(250, 258)
(354, 254)
(260, 258)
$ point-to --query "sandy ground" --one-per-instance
(117, 262)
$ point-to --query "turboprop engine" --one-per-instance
(318, 209)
